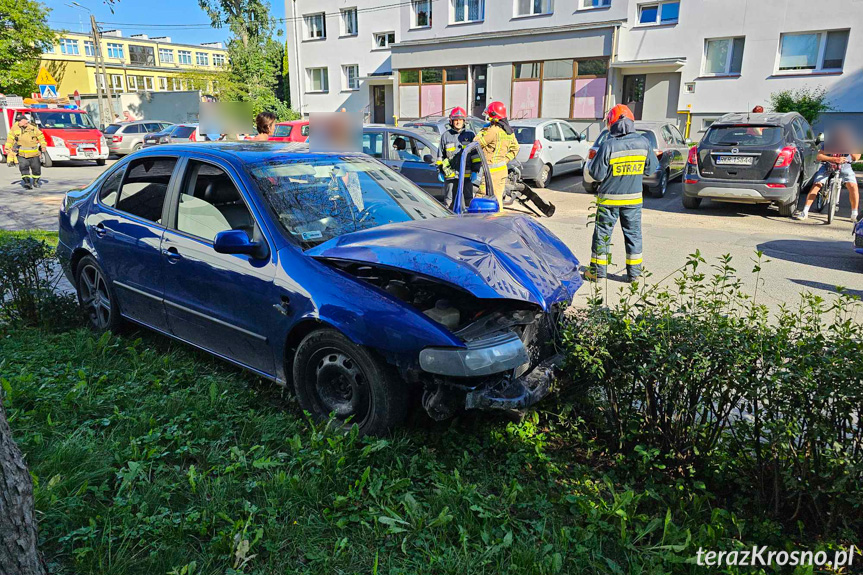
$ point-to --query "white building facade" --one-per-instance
(688, 61)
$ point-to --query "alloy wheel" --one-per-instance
(95, 297)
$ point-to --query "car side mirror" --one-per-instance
(820, 138)
(428, 159)
(482, 206)
(237, 242)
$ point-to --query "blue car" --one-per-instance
(327, 272)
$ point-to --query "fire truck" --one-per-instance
(69, 131)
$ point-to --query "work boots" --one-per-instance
(37, 182)
(27, 183)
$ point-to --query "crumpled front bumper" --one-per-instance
(516, 393)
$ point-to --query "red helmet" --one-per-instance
(457, 114)
(618, 112)
(496, 111)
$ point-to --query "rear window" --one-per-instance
(651, 137)
(525, 135)
(425, 128)
(183, 131)
(112, 128)
(743, 136)
(282, 131)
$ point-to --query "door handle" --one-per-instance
(100, 230)
(172, 254)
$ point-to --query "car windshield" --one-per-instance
(65, 120)
(743, 136)
(524, 135)
(316, 199)
(112, 128)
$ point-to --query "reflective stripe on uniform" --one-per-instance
(628, 162)
(599, 262)
(476, 159)
(450, 148)
(621, 199)
(497, 167)
(634, 259)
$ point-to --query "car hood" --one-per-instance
(492, 257)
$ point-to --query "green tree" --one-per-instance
(808, 102)
(24, 36)
(255, 56)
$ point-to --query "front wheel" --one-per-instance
(833, 200)
(333, 375)
(96, 297)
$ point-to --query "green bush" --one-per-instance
(809, 103)
(701, 382)
(29, 274)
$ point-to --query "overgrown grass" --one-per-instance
(150, 458)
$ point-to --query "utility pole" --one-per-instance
(100, 61)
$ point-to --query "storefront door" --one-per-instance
(633, 93)
(480, 75)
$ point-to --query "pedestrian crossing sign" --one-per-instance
(45, 78)
(47, 90)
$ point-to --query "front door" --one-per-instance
(221, 302)
(411, 156)
(379, 104)
(633, 93)
(480, 75)
(126, 227)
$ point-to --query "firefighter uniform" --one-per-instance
(620, 164)
(24, 146)
(498, 149)
(452, 142)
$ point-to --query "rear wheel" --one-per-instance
(46, 160)
(691, 203)
(334, 375)
(544, 176)
(787, 210)
(660, 190)
(100, 162)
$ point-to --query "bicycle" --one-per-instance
(829, 193)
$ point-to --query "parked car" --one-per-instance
(670, 148)
(328, 272)
(127, 137)
(158, 138)
(752, 159)
(184, 133)
(548, 148)
(418, 162)
(293, 131)
(437, 125)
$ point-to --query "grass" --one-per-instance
(151, 458)
(50, 238)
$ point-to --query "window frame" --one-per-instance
(386, 36)
(170, 54)
(660, 6)
(152, 86)
(532, 14)
(445, 81)
(89, 48)
(576, 75)
(70, 47)
(202, 59)
(168, 191)
(181, 54)
(414, 24)
(116, 49)
(346, 84)
(325, 75)
(822, 48)
(122, 84)
(132, 83)
(163, 83)
(307, 27)
(583, 4)
(346, 14)
(219, 59)
(728, 60)
(453, 21)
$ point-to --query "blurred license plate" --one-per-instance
(734, 160)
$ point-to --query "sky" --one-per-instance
(182, 20)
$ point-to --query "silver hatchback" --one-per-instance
(127, 137)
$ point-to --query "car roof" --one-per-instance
(529, 122)
(770, 119)
(404, 131)
(245, 152)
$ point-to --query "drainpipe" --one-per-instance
(300, 72)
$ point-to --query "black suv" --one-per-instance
(752, 159)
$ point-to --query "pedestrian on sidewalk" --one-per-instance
(24, 147)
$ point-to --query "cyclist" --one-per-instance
(829, 162)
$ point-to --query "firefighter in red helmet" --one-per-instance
(452, 143)
(499, 147)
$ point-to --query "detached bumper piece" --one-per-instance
(516, 392)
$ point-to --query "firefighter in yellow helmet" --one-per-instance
(24, 147)
(499, 147)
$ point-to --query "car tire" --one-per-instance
(96, 296)
(137, 146)
(332, 374)
(660, 190)
(544, 176)
(691, 203)
(100, 162)
(46, 160)
(787, 210)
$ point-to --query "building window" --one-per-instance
(813, 51)
(723, 57)
(202, 58)
(117, 82)
(533, 7)
(163, 83)
(166, 56)
(351, 76)
(184, 56)
(69, 47)
(421, 16)
(115, 50)
(89, 48)
(659, 13)
(349, 22)
(559, 89)
(318, 80)
(316, 26)
(384, 39)
(429, 89)
(218, 59)
(142, 55)
(132, 81)
(588, 4)
(100, 81)
(148, 83)
(468, 10)
(49, 48)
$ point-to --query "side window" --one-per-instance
(133, 129)
(145, 186)
(152, 127)
(373, 144)
(476, 126)
(403, 148)
(569, 135)
(210, 203)
(666, 135)
(551, 133)
(419, 149)
(110, 187)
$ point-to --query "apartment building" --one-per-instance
(685, 60)
(134, 64)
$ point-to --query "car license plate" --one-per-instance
(734, 160)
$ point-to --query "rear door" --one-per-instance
(576, 151)
(680, 145)
(805, 141)
(740, 152)
(553, 146)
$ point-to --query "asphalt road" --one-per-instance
(803, 255)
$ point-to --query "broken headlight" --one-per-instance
(494, 354)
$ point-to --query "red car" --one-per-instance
(293, 131)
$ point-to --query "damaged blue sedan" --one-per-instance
(330, 273)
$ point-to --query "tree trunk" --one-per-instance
(18, 538)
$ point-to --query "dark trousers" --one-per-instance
(630, 221)
(451, 189)
(31, 170)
